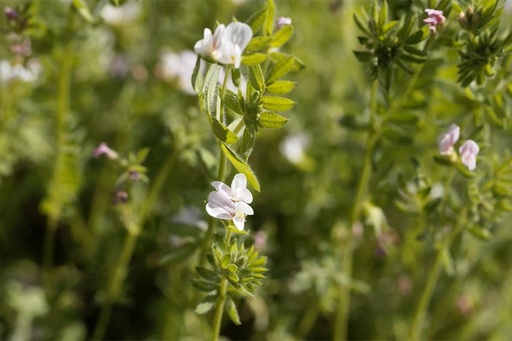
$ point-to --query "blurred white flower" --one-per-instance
(179, 66)
(469, 150)
(435, 17)
(226, 45)
(292, 147)
(508, 6)
(230, 203)
(27, 73)
(117, 15)
(448, 139)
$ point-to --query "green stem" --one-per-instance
(63, 105)
(341, 325)
(421, 312)
(116, 284)
(221, 299)
(119, 275)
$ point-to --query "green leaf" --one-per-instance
(258, 43)
(282, 36)
(363, 56)
(275, 103)
(247, 145)
(205, 305)
(257, 19)
(241, 166)
(179, 254)
(268, 25)
(383, 14)
(271, 120)
(280, 87)
(84, 11)
(397, 134)
(204, 285)
(255, 76)
(443, 160)
(360, 23)
(208, 275)
(254, 59)
(232, 311)
(280, 69)
(211, 89)
(198, 76)
(231, 101)
(222, 132)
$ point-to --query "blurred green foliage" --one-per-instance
(90, 78)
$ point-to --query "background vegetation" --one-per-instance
(63, 220)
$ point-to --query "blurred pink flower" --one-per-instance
(435, 17)
(469, 150)
(104, 149)
(281, 21)
(448, 139)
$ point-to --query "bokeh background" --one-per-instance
(128, 87)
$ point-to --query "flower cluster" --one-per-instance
(435, 17)
(230, 203)
(226, 45)
(468, 150)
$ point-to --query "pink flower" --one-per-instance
(469, 150)
(103, 149)
(280, 22)
(448, 139)
(435, 17)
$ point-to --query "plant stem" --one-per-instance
(63, 104)
(421, 312)
(119, 275)
(221, 299)
(341, 326)
(116, 283)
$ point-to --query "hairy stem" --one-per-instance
(221, 299)
(341, 325)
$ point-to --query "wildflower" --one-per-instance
(104, 149)
(118, 15)
(435, 17)
(25, 74)
(293, 146)
(179, 66)
(508, 6)
(226, 45)
(280, 22)
(469, 150)
(448, 139)
(230, 203)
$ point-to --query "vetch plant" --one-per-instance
(248, 57)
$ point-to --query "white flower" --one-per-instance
(118, 15)
(231, 203)
(448, 139)
(292, 147)
(25, 74)
(469, 150)
(179, 66)
(508, 6)
(226, 45)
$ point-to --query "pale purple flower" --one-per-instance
(281, 21)
(226, 45)
(104, 149)
(468, 151)
(435, 17)
(448, 139)
(230, 203)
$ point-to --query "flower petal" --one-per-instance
(239, 221)
(239, 34)
(217, 199)
(242, 207)
(218, 212)
(222, 188)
